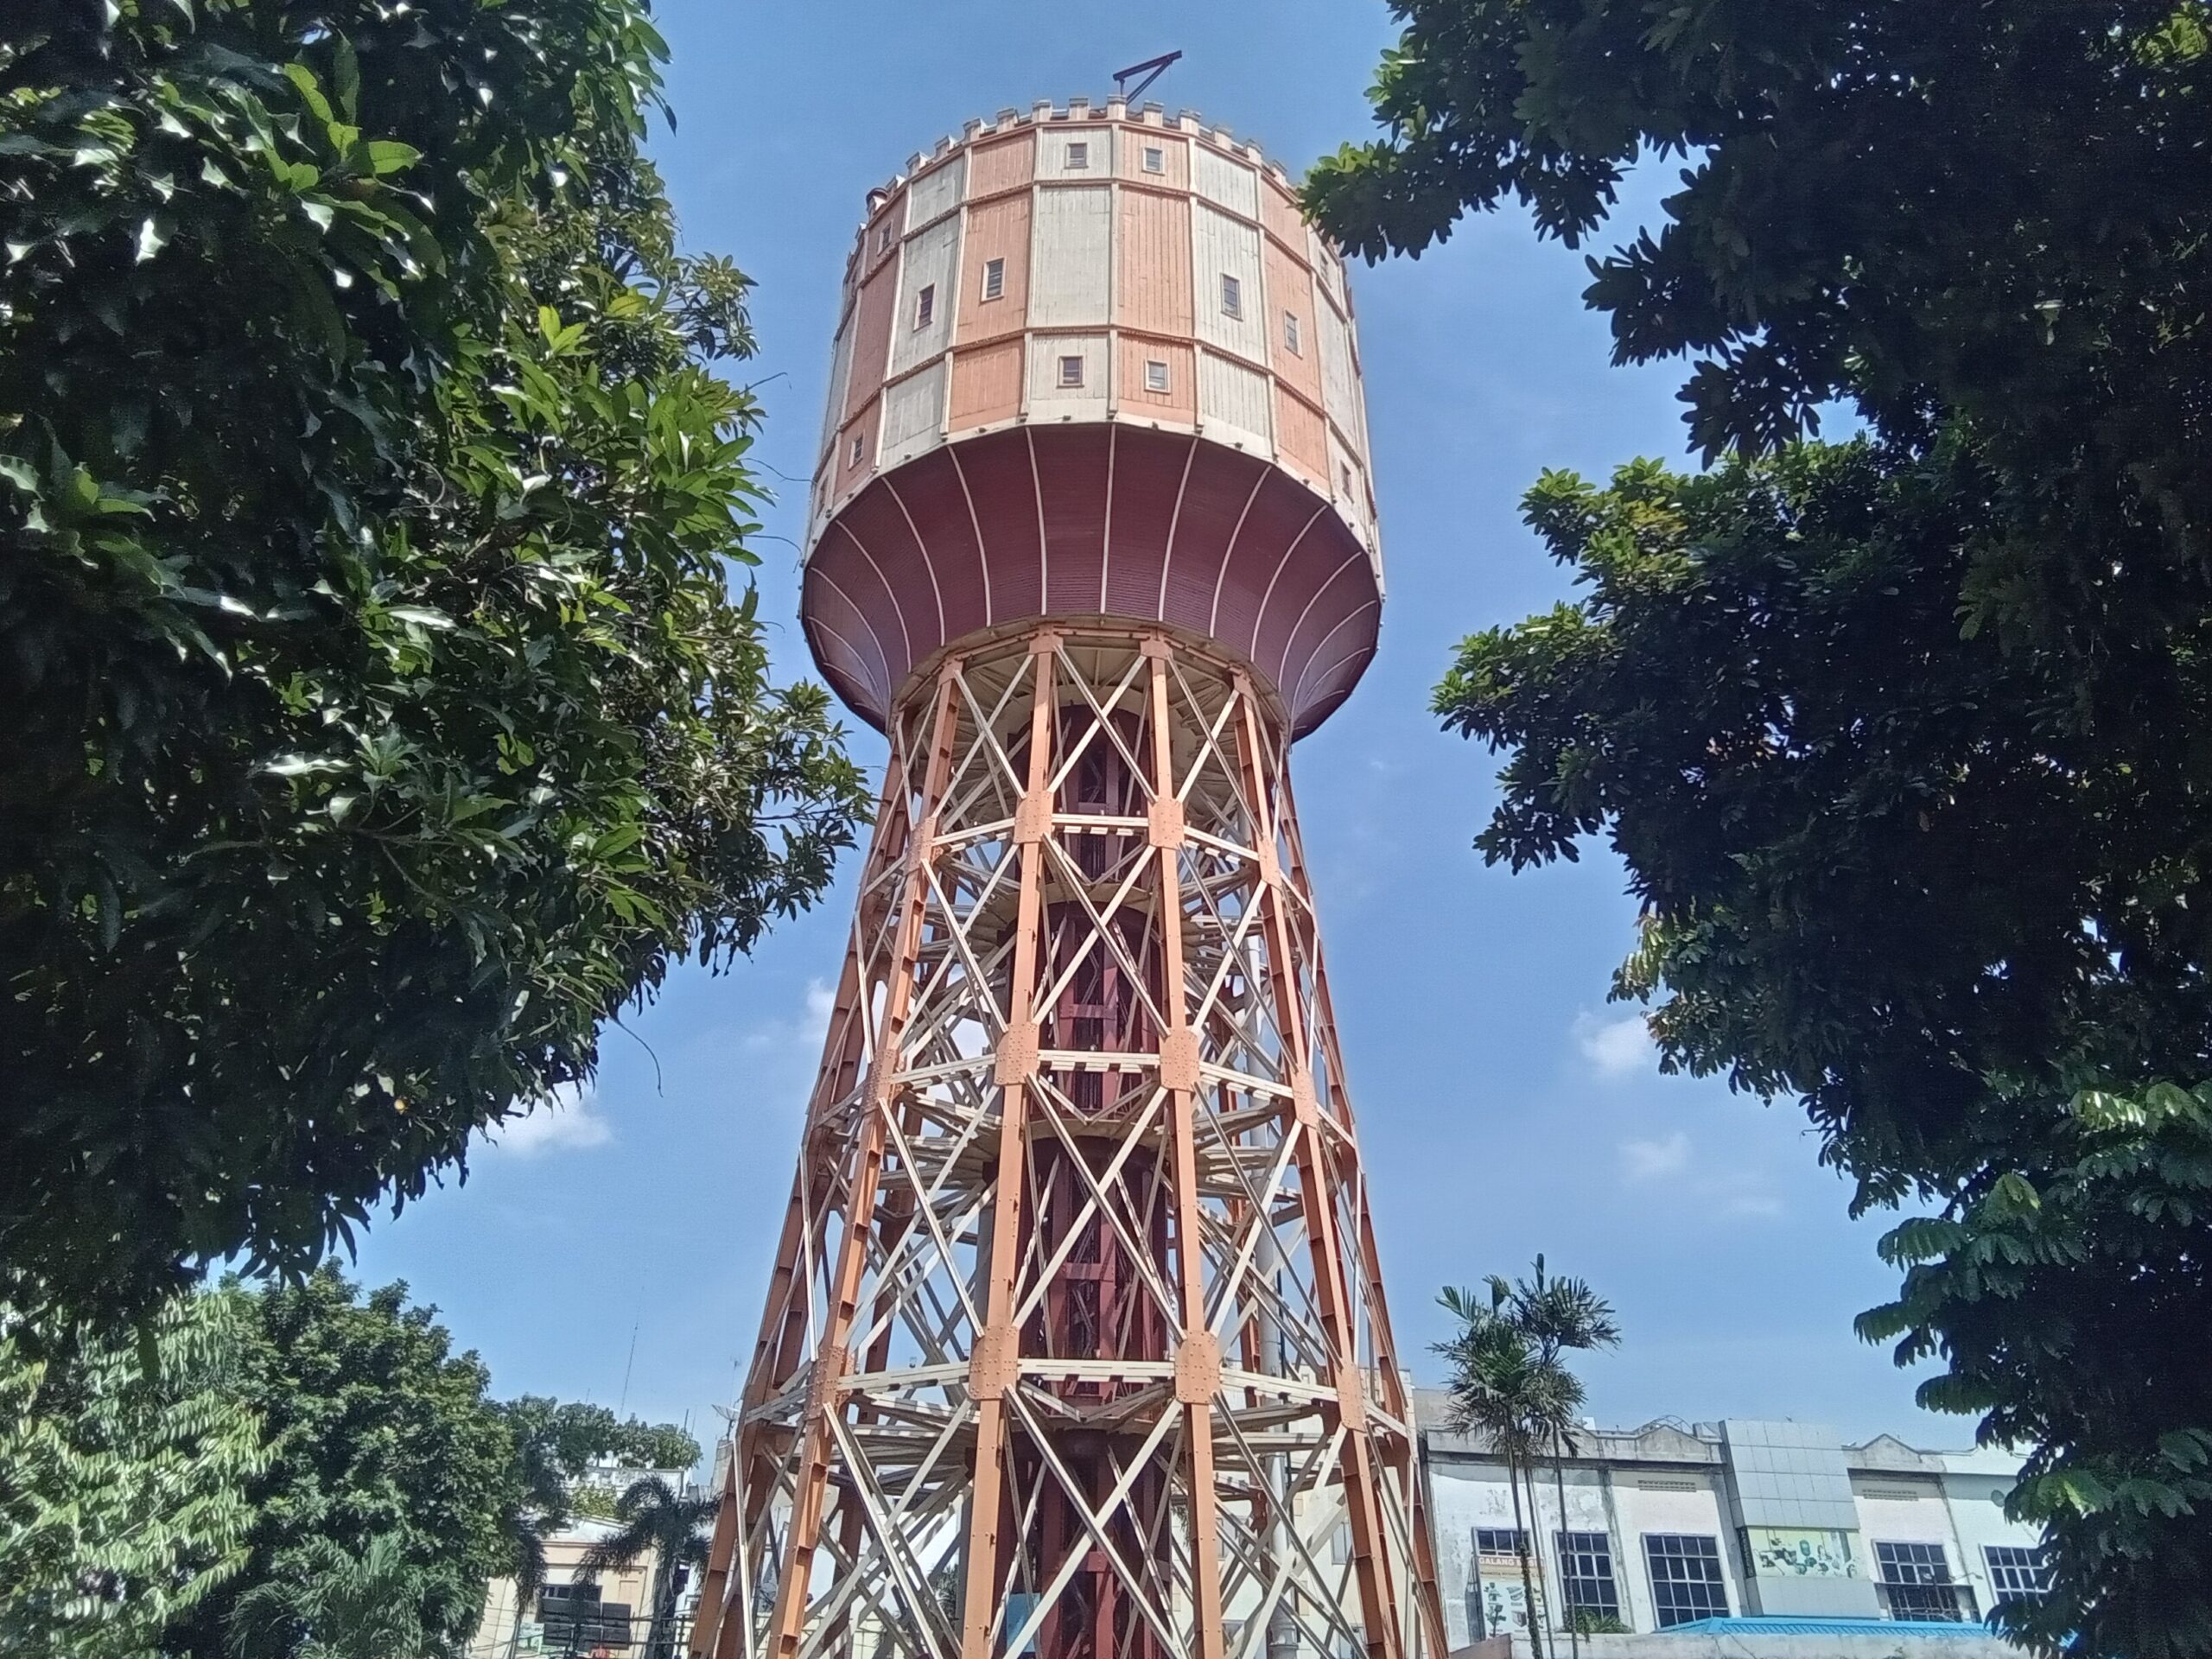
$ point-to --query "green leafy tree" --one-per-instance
(1904, 743)
(122, 1484)
(386, 1459)
(1994, 213)
(652, 1518)
(2097, 1236)
(559, 1439)
(335, 1605)
(382, 717)
(1941, 891)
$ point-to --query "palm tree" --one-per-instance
(655, 1519)
(329, 1604)
(1499, 1388)
(1510, 1381)
(1559, 1317)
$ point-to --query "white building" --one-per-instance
(573, 1615)
(1671, 1524)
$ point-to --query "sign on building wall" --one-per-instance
(1505, 1606)
(1800, 1552)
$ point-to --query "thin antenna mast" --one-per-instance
(1151, 69)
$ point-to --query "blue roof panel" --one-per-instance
(1780, 1626)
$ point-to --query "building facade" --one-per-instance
(574, 1614)
(1671, 1524)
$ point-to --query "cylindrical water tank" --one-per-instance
(1094, 362)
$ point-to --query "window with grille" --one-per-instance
(1071, 372)
(576, 1620)
(1155, 375)
(1500, 1540)
(1079, 155)
(1686, 1579)
(1916, 1582)
(2016, 1571)
(1586, 1573)
(1155, 158)
(994, 279)
(925, 305)
(1232, 296)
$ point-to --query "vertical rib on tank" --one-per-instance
(1075, 1345)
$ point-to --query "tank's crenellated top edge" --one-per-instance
(1045, 111)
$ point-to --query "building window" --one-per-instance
(1079, 155)
(1686, 1581)
(1916, 1582)
(994, 279)
(576, 1620)
(1232, 296)
(1071, 372)
(925, 305)
(860, 448)
(1500, 1540)
(883, 237)
(1155, 375)
(2016, 1571)
(1290, 334)
(1586, 1574)
(1155, 158)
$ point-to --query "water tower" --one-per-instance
(1075, 1345)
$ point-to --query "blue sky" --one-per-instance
(1505, 1108)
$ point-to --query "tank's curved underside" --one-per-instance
(1091, 519)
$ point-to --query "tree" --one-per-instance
(1499, 1391)
(1511, 1382)
(1993, 213)
(388, 1466)
(1559, 1317)
(1903, 742)
(559, 1439)
(554, 1442)
(2099, 1240)
(652, 1518)
(1946, 893)
(122, 1484)
(382, 716)
(334, 1606)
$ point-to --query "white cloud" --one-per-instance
(1615, 1048)
(1651, 1161)
(1730, 1194)
(821, 1003)
(802, 1033)
(1762, 1205)
(566, 1123)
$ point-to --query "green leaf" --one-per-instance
(387, 155)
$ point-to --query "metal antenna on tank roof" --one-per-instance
(1151, 69)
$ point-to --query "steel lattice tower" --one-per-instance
(1076, 1344)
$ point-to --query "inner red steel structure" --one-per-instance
(1075, 1345)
